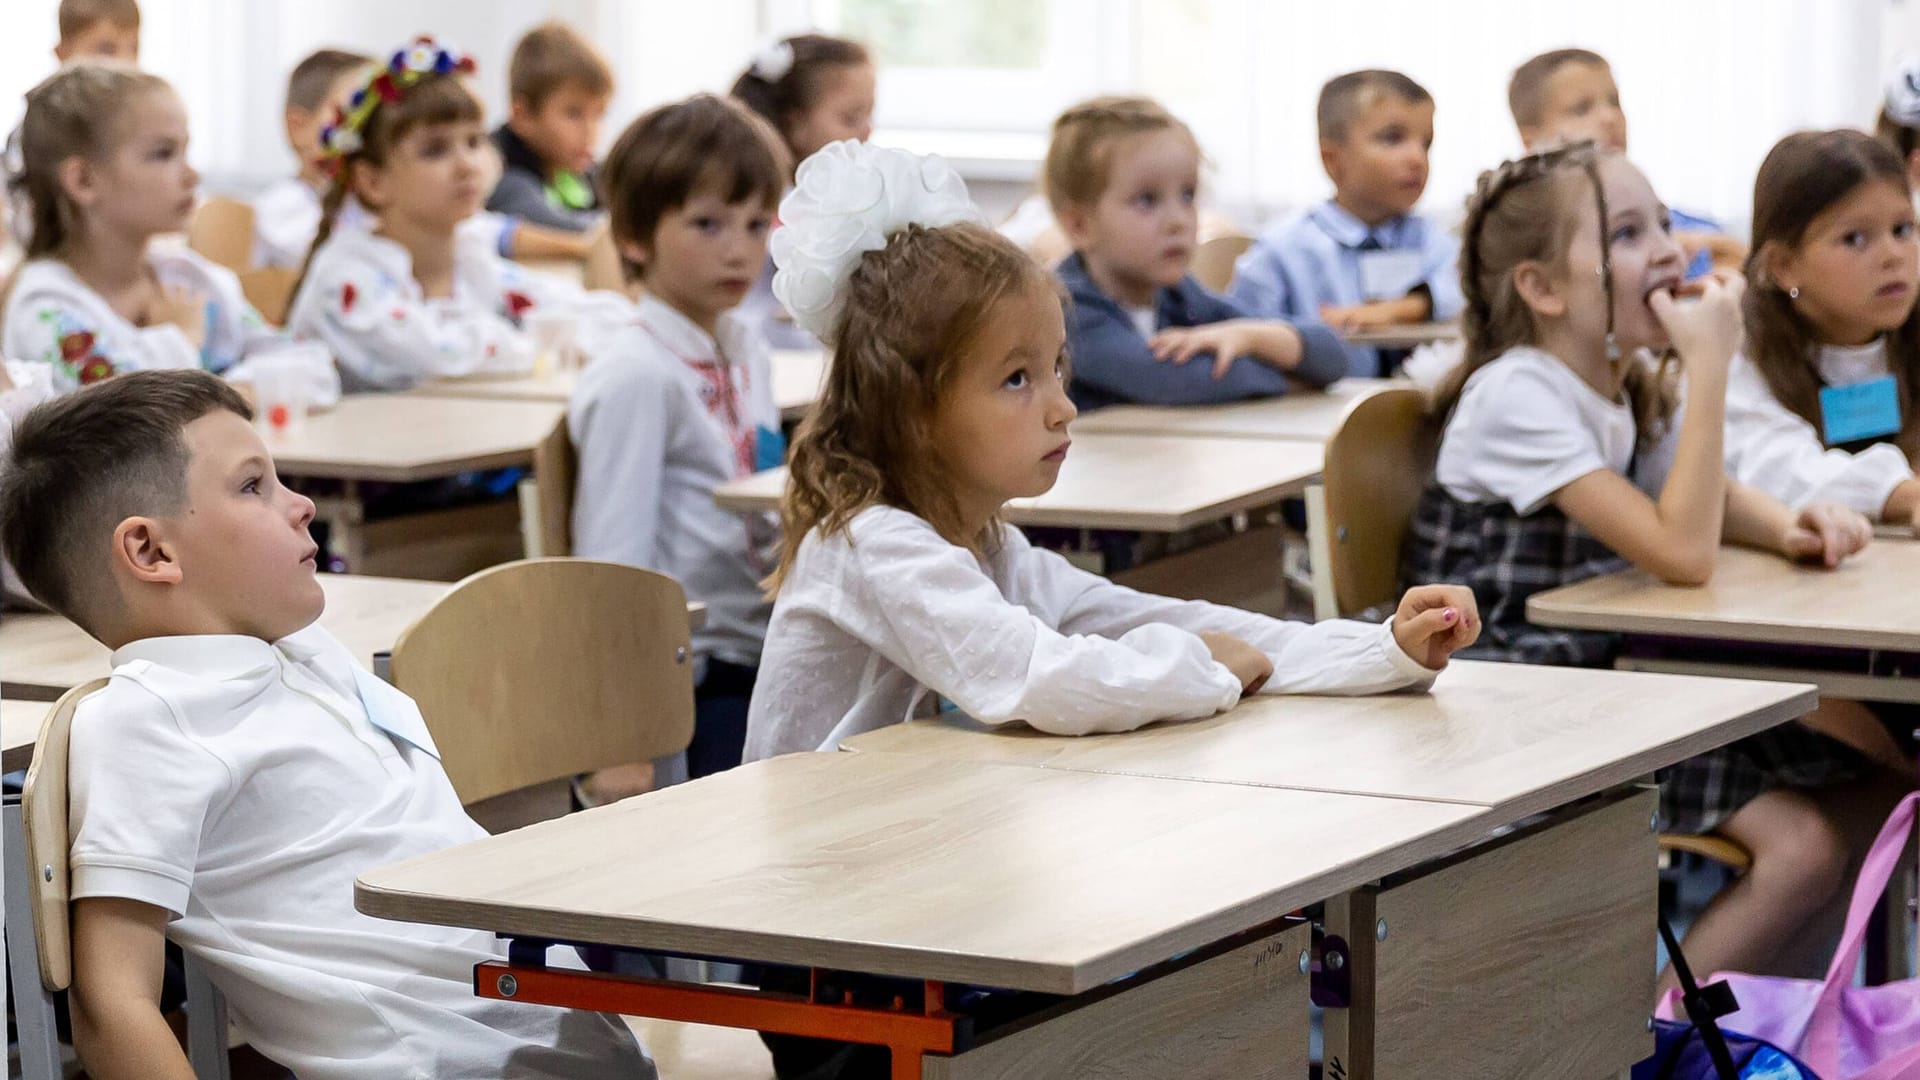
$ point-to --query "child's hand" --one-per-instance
(1706, 333)
(1825, 533)
(1345, 320)
(184, 308)
(1270, 341)
(1434, 621)
(1248, 664)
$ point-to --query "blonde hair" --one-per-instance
(75, 112)
(1527, 89)
(1524, 211)
(550, 56)
(912, 309)
(79, 16)
(1079, 161)
(1345, 97)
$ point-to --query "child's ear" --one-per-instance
(520, 111)
(633, 251)
(140, 551)
(367, 181)
(1529, 137)
(1076, 222)
(1776, 266)
(77, 180)
(1539, 289)
(1333, 159)
(1913, 168)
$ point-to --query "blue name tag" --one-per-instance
(769, 448)
(1865, 410)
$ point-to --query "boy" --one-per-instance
(1568, 95)
(1362, 258)
(99, 30)
(1121, 175)
(287, 214)
(559, 88)
(240, 769)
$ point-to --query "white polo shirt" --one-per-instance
(242, 787)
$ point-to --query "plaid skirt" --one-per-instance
(1506, 558)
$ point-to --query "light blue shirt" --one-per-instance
(1314, 258)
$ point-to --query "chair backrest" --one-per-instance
(547, 668)
(270, 290)
(1378, 461)
(1050, 247)
(222, 230)
(43, 810)
(1213, 260)
(602, 270)
(555, 471)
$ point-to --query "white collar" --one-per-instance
(1845, 365)
(213, 657)
(682, 337)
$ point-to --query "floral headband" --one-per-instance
(408, 66)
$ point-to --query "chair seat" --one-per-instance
(1718, 848)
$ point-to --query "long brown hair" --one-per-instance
(1523, 211)
(435, 99)
(75, 112)
(911, 310)
(1802, 177)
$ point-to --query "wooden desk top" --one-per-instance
(19, 727)
(797, 374)
(1306, 414)
(1408, 336)
(1515, 738)
(1027, 878)
(1868, 603)
(408, 437)
(1148, 483)
(43, 655)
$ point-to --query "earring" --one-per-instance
(1793, 293)
(1613, 349)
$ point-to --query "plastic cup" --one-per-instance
(280, 383)
(555, 337)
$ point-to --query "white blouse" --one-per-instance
(1776, 450)
(54, 318)
(361, 298)
(868, 622)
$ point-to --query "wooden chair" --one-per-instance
(222, 230)
(44, 810)
(270, 290)
(1377, 464)
(548, 668)
(1213, 260)
(546, 500)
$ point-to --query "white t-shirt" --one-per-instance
(1527, 426)
(1776, 450)
(1145, 320)
(242, 787)
(868, 622)
(667, 415)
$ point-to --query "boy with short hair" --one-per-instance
(559, 87)
(287, 214)
(99, 30)
(1569, 95)
(1362, 258)
(240, 769)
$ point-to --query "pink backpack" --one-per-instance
(1841, 1031)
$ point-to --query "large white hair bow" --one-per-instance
(848, 198)
(1903, 92)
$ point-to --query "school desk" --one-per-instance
(797, 374)
(1144, 483)
(1404, 336)
(1154, 908)
(1515, 740)
(19, 726)
(1859, 623)
(1303, 414)
(42, 655)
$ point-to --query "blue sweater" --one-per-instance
(1112, 364)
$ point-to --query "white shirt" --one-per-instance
(663, 417)
(242, 787)
(54, 318)
(867, 623)
(1527, 426)
(1776, 450)
(1144, 319)
(361, 298)
(286, 218)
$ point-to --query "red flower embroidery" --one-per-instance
(517, 304)
(75, 345)
(348, 294)
(94, 369)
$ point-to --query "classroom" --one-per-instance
(971, 540)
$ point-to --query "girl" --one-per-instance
(1823, 404)
(104, 167)
(814, 90)
(1563, 459)
(683, 401)
(946, 398)
(417, 296)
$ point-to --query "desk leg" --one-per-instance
(32, 1001)
(346, 518)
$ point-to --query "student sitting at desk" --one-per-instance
(1123, 176)
(1362, 258)
(241, 769)
(1568, 454)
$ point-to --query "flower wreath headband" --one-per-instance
(407, 67)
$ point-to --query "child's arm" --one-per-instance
(1110, 354)
(1818, 532)
(1727, 252)
(119, 953)
(1415, 307)
(522, 195)
(237, 335)
(533, 241)
(1778, 451)
(1259, 285)
(620, 422)
(1676, 537)
(1308, 352)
